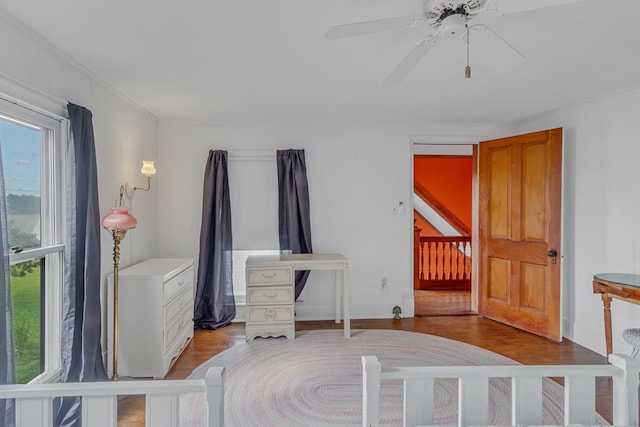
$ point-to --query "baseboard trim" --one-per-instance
(306, 311)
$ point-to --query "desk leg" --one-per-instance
(606, 302)
(338, 283)
(345, 301)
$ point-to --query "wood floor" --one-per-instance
(515, 344)
(442, 302)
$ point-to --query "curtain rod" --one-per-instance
(251, 154)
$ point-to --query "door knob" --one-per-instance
(553, 254)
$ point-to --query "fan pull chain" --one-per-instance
(467, 69)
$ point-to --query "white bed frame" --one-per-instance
(526, 381)
(34, 402)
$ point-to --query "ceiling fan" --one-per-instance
(443, 19)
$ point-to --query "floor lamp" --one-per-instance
(117, 222)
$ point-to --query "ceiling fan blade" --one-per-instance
(516, 6)
(370, 27)
(409, 62)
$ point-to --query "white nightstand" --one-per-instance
(270, 298)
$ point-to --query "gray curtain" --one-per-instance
(81, 350)
(294, 223)
(215, 304)
(7, 352)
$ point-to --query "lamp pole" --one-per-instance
(117, 234)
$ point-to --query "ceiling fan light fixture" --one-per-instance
(452, 25)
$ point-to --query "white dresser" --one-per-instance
(155, 316)
(270, 299)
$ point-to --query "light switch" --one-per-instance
(398, 208)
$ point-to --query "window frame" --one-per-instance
(52, 222)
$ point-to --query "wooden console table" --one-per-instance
(336, 262)
(625, 287)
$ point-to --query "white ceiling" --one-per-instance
(241, 60)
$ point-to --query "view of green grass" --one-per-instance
(25, 293)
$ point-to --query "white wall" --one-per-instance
(356, 172)
(601, 210)
(35, 72)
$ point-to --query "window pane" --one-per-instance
(27, 293)
(21, 155)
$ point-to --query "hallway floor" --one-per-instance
(442, 303)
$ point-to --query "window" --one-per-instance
(32, 164)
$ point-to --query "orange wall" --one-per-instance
(449, 180)
(426, 228)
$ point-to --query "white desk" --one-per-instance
(335, 262)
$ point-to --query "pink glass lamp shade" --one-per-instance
(119, 219)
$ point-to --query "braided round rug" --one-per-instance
(316, 380)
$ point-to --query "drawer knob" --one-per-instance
(181, 282)
(270, 314)
(266, 295)
(268, 276)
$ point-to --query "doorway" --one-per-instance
(443, 200)
(517, 217)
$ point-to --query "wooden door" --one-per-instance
(520, 181)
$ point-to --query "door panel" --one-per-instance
(533, 197)
(499, 189)
(532, 290)
(519, 222)
(499, 279)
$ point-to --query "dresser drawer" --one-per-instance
(273, 314)
(175, 330)
(174, 285)
(270, 276)
(184, 299)
(261, 295)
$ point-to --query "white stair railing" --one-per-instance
(34, 402)
(526, 389)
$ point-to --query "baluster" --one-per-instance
(428, 260)
(458, 246)
(162, 410)
(434, 260)
(452, 274)
(462, 269)
(454, 260)
(461, 258)
(440, 261)
(445, 261)
(463, 263)
(467, 261)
